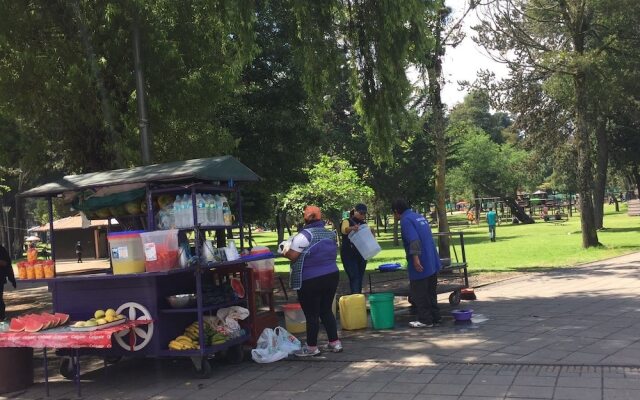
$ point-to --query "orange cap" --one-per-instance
(312, 213)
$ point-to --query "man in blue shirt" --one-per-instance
(423, 264)
(491, 220)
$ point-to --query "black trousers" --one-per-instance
(425, 297)
(2, 306)
(316, 298)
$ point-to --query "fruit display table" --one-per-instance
(64, 338)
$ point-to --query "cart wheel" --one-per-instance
(201, 367)
(142, 334)
(234, 354)
(454, 298)
(66, 368)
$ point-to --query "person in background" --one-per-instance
(352, 261)
(6, 273)
(423, 263)
(79, 251)
(314, 275)
(492, 217)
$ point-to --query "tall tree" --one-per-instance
(542, 39)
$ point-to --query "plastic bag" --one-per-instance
(286, 341)
(267, 350)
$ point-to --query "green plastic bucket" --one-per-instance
(382, 311)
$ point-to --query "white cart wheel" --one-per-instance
(143, 333)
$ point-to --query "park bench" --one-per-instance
(453, 277)
(458, 224)
(633, 207)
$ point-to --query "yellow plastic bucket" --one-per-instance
(353, 312)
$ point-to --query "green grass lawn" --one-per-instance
(518, 247)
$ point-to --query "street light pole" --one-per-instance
(6, 210)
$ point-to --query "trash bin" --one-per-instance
(382, 310)
(16, 368)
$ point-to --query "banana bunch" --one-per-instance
(218, 338)
(183, 342)
(192, 331)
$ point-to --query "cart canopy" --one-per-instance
(225, 168)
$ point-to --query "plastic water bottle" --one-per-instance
(226, 212)
(208, 199)
(188, 215)
(202, 209)
(177, 211)
(219, 213)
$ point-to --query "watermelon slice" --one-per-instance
(238, 288)
(64, 318)
(16, 325)
(33, 325)
(54, 321)
(46, 323)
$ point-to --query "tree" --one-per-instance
(333, 185)
(542, 39)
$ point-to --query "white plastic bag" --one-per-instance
(267, 350)
(286, 341)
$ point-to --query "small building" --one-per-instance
(71, 230)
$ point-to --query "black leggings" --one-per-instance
(316, 298)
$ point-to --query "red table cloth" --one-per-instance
(63, 338)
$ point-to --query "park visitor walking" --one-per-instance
(492, 218)
(79, 251)
(352, 261)
(423, 263)
(6, 273)
(314, 275)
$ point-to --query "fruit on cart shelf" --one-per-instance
(98, 314)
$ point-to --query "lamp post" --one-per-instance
(6, 210)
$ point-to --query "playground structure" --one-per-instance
(525, 208)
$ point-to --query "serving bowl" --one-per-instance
(182, 300)
(462, 315)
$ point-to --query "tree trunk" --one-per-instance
(437, 127)
(396, 242)
(585, 168)
(602, 160)
(279, 226)
(635, 174)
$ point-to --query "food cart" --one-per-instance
(143, 296)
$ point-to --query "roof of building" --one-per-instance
(74, 222)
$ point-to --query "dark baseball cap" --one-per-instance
(361, 208)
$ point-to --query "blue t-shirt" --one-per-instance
(491, 217)
(415, 227)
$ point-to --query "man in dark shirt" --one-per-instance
(6, 272)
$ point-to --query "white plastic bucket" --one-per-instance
(364, 241)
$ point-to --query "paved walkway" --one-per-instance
(564, 334)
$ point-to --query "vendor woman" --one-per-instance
(314, 274)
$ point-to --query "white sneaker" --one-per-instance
(333, 348)
(306, 352)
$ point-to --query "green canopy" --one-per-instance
(225, 168)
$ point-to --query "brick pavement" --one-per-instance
(567, 334)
